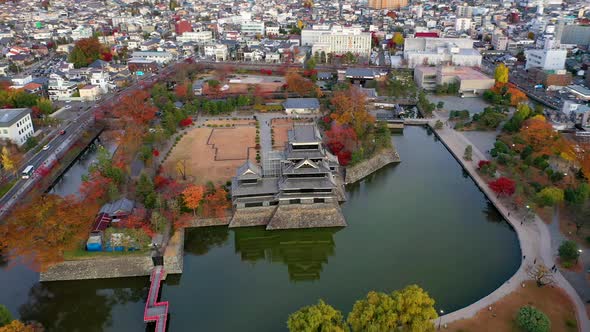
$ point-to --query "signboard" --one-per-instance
(139, 73)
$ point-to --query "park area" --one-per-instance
(213, 152)
(502, 317)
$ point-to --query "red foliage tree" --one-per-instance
(216, 204)
(186, 122)
(155, 152)
(483, 163)
(503, 186)
(135, 109)
(106, 56)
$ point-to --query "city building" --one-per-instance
(462, 24)
(546, 59)
(301, 105)
(159, 57)
(252, 28)
(89, 92)
(16, 125)
(60, 89)
(387, 4)
(182, 26)
(470, 81)
(574, 34)
(196, 36)
(580, 92)
(550, 78)
(435, 51)
(499, 41)
(140, 66)
(338, 40)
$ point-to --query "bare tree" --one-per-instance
(541, 274)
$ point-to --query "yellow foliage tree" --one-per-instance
(398, 38)
(7, 161)
(501, 73)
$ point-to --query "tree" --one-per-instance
(543, 139)
(192, 196)
(468, 154)
(216, 203)
(134, 108)
(531, 35)
(568, 251)
(350, 109)
(581, 215)
(550, 196)
(40, 231)
(5, 315)
(531, 319)
(86, 51)
(541, 274)
(18, 326)
(315, 318)
(502, 186)
(7, 161)
(398, 39)
(501, 74)
(412, 309)
(145, 190)
(440, 105)
(300, 85)
(438, 125)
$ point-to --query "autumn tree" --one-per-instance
(216, 204)
(18, 326)
(542, 138)
(341, 140)
(39, 231)
(192, 196)
(86, 51)
(541, 274)
(350, 110)
(398, 39)
(550, 196)
(501, 73)
(134, 108)
(8, 161)
(301, 86)
(410, 309)
(582, 153)
(503, 186)
(318, 317)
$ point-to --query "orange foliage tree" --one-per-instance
(516, 95)
(39, 231)
(582, 152)
(543, 139)
(350, 110)
(216, 204)
(192, 196)
(300, 85)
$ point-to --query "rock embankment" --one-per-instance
(365, 168)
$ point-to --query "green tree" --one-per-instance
(568, 251)
(531, 319)
(145, 188)
(438, 125)
(501, 73)
(310, 64)
(550, 196)
(5, 315)
(317, 318)
(412, 309)
(468, 154)
(440, 105)
(45, 106)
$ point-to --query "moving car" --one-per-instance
(46, 147)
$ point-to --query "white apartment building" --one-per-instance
(339, 40)
(102, 79)
(545, 59)
(218, 52)
(436, 51)
(158, 57)
(60, 89)
(42, 35)
(272, 31)
(81, 32)
(251, 28)
(16, 125)
(462, 24)
(196, 36)
(499, 41)
(311, 35)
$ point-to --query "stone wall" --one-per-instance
(367, 167)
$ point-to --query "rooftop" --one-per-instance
(303, 134)
(301, 103)
(9, 116)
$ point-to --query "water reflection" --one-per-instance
(492, 214)
(199, 241)
(303, 251)
(81, 305)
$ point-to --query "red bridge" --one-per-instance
(156, 311)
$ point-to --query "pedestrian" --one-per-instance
(509, 214)
(535, 261)
(553, 268)
(523, 257)
(521, 222)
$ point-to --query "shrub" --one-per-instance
(532, 319)
(568, 251)
(571, 322)
(468, 154)
(438, 124)
(483, 163)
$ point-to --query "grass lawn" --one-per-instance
(6, 187)
(552, 301)
(80, 254)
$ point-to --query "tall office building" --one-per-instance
(387, 4)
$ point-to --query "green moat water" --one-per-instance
(422, 221)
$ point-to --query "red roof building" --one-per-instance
(183, 26)
(426, 35)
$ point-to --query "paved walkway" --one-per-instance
(534, 238)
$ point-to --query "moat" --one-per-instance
(421, 221)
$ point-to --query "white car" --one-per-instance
(46, 147)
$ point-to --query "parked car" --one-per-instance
(62, 132)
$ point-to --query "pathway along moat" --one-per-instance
(422, 221)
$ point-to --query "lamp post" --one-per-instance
(440, 317)
(579, 254)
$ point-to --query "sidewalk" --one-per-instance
(534, 237)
